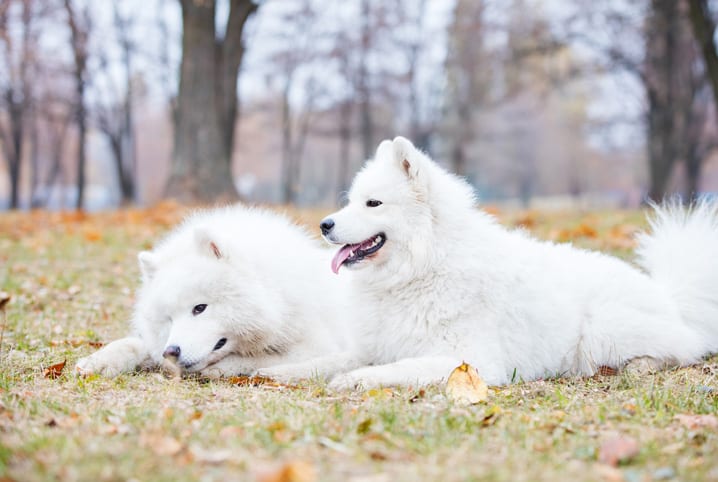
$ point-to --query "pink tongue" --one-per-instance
(341, 256)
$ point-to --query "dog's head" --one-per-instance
(387, 223)
(207, 304)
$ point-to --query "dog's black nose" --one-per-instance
(326, 225)
(172, 351)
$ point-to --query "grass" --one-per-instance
(72, 278)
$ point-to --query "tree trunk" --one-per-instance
(345, 135)
(288, 180)
(363, 87)
(79, 33)
(704, 31)
(662, 26)
(207, 103)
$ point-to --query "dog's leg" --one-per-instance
(409, 371)
(322, 367)
(120, 356)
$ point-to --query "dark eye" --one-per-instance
(372, 203)
(198, 309)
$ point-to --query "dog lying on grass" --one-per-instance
(230, 291)
(440, 282)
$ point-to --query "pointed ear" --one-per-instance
(407, 157)
(206, 243)
(148, 264)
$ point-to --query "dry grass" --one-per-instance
(71, 280)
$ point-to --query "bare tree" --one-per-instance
(468, 83)
(704, 30)
(80, 24)
(668, 68)
(207, 101)
(113, 113)
(16, 94)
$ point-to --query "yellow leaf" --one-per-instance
(465, 386)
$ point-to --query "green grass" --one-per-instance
(70, 287)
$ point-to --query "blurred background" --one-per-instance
(541, 103)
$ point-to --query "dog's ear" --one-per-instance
(407, 157)
(148, 264)
(207, 244)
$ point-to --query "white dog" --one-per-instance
(230, 291)
(441, 282)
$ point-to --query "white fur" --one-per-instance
(452, 285)
(266, 290)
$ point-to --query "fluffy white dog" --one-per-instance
(441, 282)
(230, 291)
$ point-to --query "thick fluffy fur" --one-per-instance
(266, 290)
(451, 285)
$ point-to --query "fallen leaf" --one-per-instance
(364, 426)
(246, 381)
(418, 396)
(92, 234)
(465, 386)
(160, 444)
(694, 422)
(54, 371)
(606, 371)
(293, 471)
(491, 416)
(615, 450)
(380, 393)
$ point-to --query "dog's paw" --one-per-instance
(97, 364)
(357, 379)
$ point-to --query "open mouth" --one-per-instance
(353, 253)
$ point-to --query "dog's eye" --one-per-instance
(198, 309)
(372, 203)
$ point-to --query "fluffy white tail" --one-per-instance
(681, 253)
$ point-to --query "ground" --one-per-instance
(71, 279)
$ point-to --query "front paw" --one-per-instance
(357, 379)
(97, 364)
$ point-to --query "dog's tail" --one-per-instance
(681, 253)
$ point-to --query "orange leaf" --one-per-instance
(54, 371)
(465, 386)
(618, 449)
(293, 471)
(92, 234)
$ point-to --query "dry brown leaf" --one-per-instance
(293, 471)
(491, 416)
(465, 386)
(621, 448)
(245, 381)
(694, 422)
(4, 299)
(606, 371)
(55, 371)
